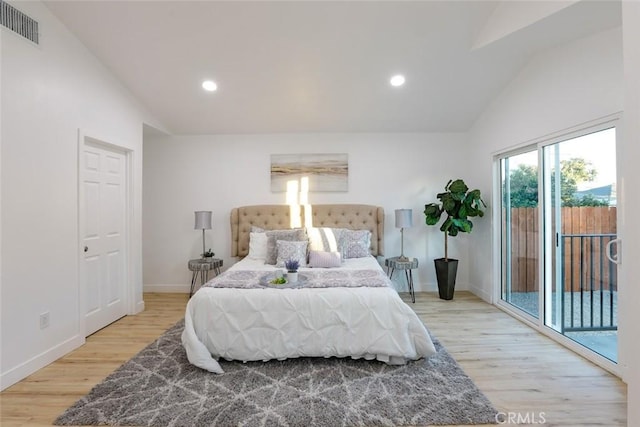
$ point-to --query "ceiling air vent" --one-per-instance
(18, 22)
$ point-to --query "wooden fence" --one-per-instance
(584, 257)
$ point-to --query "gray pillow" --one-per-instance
(291, 250)
(356, 243)
(273, 236)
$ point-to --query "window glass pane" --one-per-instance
(520, 252)
(580, 212)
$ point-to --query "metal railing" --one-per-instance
(590, 283)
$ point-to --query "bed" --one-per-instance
(343, 305)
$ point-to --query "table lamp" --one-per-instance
(404, 218)
(203, 222)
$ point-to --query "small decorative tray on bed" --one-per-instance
(269, 280)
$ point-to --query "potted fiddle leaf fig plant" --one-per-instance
(459, 204)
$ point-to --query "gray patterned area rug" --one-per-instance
(158, 387)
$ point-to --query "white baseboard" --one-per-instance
(486, 296)
(426, 287)
(180, 288)
(481, 293)
(27, 368)
(139, 307)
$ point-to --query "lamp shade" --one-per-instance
(203, 220)
(404, 218)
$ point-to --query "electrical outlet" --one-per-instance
(44, 320)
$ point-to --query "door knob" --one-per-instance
(86, 248)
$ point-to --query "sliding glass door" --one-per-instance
(519, 231)
(580, 210)
(558, 217)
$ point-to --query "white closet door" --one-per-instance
(103, 204)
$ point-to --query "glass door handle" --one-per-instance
(615, 258)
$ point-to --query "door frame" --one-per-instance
(84, 140)
(612, 120)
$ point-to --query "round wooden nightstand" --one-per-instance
(407, 265)
(201, 267)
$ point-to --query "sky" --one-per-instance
(598, 148)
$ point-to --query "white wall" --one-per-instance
(559, 88)
(217, 173)
(629, 314)
(1, 138)
(49, 92)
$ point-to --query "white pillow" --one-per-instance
(325, 239)
(291, 250)
(323, 259)
(257, 246)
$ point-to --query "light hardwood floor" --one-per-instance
(521, 371)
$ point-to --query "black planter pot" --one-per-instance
(446, 274)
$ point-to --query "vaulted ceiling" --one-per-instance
(323, 66)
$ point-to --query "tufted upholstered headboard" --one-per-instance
(272, 217)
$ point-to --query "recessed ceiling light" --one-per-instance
(209, 85)
(397, 80)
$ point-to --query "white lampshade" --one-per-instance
(203, 220)
(404, 218)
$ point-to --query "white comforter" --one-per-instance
(264, 324)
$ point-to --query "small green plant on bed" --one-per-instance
(292, 265)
